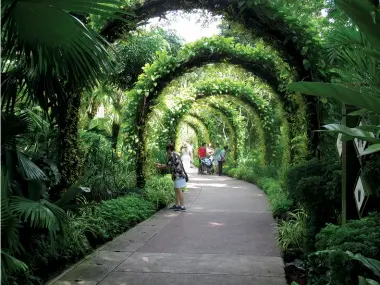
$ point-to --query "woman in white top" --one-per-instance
(185, 158)
(222, 159)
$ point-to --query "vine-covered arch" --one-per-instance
(268, 22)
(199, 127)
(215, 112)
(243, 95)
(256, 59)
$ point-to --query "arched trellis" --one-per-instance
(286, 34)
(252, 140)
(263, 106)
(199, 127)
(215, 112)
(230, 109)
(193, 112)
(243, 95)
(160, 72)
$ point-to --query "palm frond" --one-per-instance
(28, 169)
(39, 214)
(10, 264)
(13, 128)
(9, 222)
(52, 42)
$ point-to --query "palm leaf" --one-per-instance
(10, 264)
(39, 214)
(365, 16)
(52, 42)
(9, 222)
(29, 170)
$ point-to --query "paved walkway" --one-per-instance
(227, 236)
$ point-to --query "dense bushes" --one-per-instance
(109, 175)
(358, 236)
(331, 264)
(160, 191)
(90, 227)
(315, 186)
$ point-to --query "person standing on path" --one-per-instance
(179, 176)
(221, 160)
(216, 158)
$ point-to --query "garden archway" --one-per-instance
(155, 77)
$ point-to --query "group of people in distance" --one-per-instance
(217, 156)
(178, 169)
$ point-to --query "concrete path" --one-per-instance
(227, 236)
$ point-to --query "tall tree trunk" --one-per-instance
(70, 160)
(115, 134)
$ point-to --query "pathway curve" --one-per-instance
(227, 236)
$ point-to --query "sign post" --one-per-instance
(350, 166)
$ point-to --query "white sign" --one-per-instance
(360, 194)
(339, 144)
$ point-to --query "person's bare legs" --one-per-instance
(180, 197)
(177, 197)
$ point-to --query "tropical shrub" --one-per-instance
(331, 264)
(87, 229)
(315, 185)
(159, 191)
(111, 175)
(358, 236)
(292, 234)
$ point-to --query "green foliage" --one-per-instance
(140, 48)
(278, 197)
(356, 55)
(358, 236)
(49, 46)
(159, 190)
(86, 230)
(315, 185)
(332, 264)
(292, 232)
(111, 175)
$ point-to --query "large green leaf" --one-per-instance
(352, 132)
(39, 214)
(71, 194)
(371, 149)
(365, 16)
(370, 263)
(366, 281)
(10, 264)
(339, 92)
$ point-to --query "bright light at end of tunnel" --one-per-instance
(187, 26)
